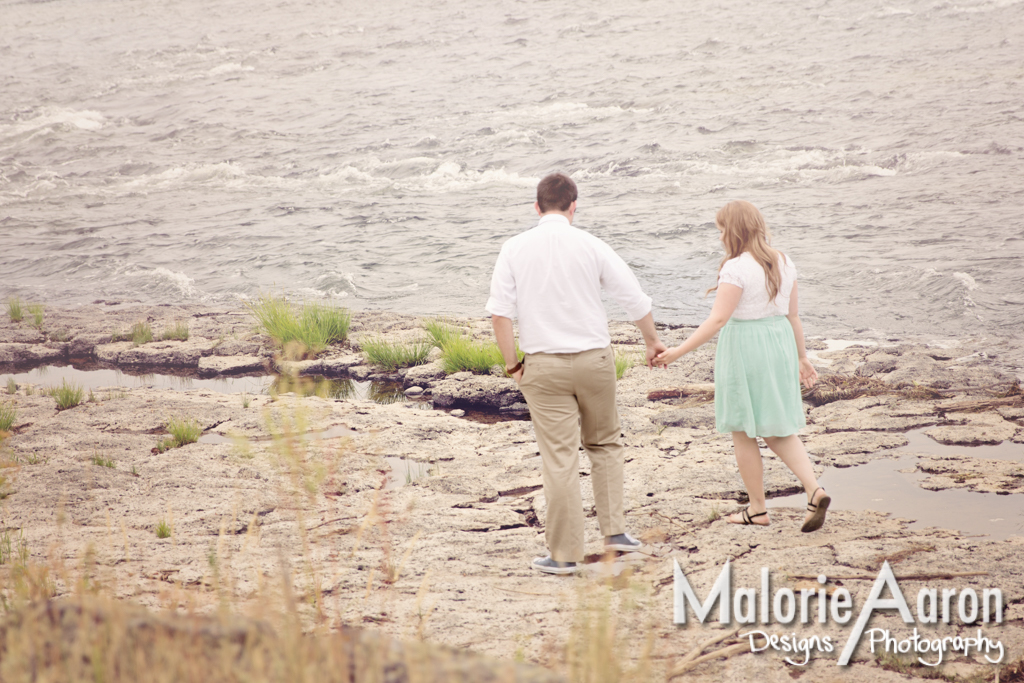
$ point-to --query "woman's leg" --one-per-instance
(791, 451)
(748, 458)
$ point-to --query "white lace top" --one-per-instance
(745, 272)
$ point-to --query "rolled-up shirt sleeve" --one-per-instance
(621, 284)
(502, 300)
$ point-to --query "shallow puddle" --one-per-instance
(405, 471)
(881, 485)
(94, 377)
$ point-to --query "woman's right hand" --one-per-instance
(666, 357)
(808, 375)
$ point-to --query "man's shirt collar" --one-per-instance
(552, 217)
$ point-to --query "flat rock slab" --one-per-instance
(973, 474)
(169, 353)
(231, 365)
(697, 417)
(24, 354)
(464, 535)
(974, 429)
(874, 413)
(480, 392)
(844, 449)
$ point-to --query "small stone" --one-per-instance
(414, 391)
(457, 413)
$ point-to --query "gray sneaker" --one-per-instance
(549, 566)
(623, 543)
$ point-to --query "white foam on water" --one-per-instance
(346, 176)
(967, 281)
(781, 164)
(560, 112)
(179, 175)
(314, 293)
(51, 118)
(163, 278)
(449, 176)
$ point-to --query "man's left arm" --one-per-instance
(619, 281)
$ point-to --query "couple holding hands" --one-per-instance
(550, 278)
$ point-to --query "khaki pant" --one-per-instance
(572, 397)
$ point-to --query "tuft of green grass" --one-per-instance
(183, 431)
(623, 362)
(246, 400)
(139, 334)
(462, 354)
(36, 311)
(713, 514)
(390, 356)
(317, 325)
(14, 311)
(13, 549)
(179, 332)
(12, 386)
(163, 529)
(103, 462)
(67, 395)
(442, 332)
(60, 336)
(8, 414)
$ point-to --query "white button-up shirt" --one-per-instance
(551, 276)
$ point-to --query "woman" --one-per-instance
(760, 360)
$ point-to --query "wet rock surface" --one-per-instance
(988, 476)
(465, 527)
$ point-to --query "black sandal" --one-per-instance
(749, 518)
(818, 518)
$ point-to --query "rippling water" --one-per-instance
(380, 153)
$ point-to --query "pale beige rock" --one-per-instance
(845, 449)
(226, 365)
(973, 429)
(874, 413)
(464, 535)
(21, 354)
(973, 474)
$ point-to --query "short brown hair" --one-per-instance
(556, 192)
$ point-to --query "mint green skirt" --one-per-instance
(757, 378)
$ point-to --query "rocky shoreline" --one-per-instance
(446, 554)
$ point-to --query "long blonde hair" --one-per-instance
(744, 229)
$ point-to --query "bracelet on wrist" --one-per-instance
(513, 370)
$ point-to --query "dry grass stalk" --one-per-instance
(693, 659)
(88, 635)
(980, 406)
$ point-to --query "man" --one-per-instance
(550, 277)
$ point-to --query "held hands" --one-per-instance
(808, 375)
(667, 356)
(654, 350)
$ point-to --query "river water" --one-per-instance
(380, 153)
